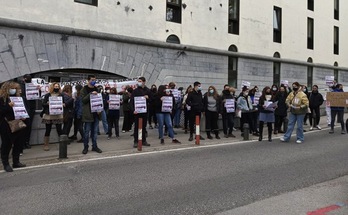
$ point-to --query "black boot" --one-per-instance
(261, 131)
(270, 133)
(8, 168)
(209, 136)
(191, 137)
(217, 135)
(16, 163)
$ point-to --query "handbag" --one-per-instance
(16, 125)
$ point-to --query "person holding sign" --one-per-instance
(266, 109)
(113, 112)
(53, 112)
(298, 103)
(164, 102)
(228, 106)
(89, 118)
(211, 104)
(140, 99)
(339, 111)
(7, 137)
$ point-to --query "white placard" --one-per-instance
(257, 97)
(44, 89)
(246, 83)
(230, 105)
(31, 91)
(271, 105)
(285, 82)
(167, 104)
(55, 105)
(19, 108)
(114, 102)
(96, 101)
(140, 104)
(329, 80)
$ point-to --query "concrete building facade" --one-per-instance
(212, 41)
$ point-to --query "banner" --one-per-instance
(167, 104)
(285, 82)
(55, 105)
(31, 91)
(19, 108)
(114, 102)
(230, 105)
(96, 101)
(337, 99)
(140, 104)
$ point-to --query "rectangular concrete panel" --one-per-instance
(32, 59)
(52, 56)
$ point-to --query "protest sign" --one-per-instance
(19, 108)
(96, 101)
(114, 102)
(230, 105)
(167, 104)
(329, 80)
(31, 91)
(140, 104)
(55, 105)
(337, 99)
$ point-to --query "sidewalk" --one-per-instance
(124, 145)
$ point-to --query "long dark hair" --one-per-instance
(263, 96)
(160, 91)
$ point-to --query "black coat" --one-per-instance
(195, 101)
(226, 95)
(315, 100)
(282, 109)
(141, 91)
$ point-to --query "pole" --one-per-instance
(63, 146)
(140, 134)
(197, 130)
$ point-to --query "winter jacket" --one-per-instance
(244, 104)
(315, 99)
(87, 115)
(226, 95)
(282, 108)
(298, 100)
(205, 103)
(141, 91)
(195, 101)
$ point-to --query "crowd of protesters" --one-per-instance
(164, 105)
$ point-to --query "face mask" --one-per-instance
(140, 84)
(295, 89)
(211, 91)
(304, 90)
(93, 83)
(108, 91)
(55, 90)
(167, 91)
(268, 93)
(274, 89)
(12, 91)
(199, 88)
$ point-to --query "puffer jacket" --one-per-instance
(297, 99)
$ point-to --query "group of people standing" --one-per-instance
(163, 106)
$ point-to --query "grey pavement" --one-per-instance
(124, 145)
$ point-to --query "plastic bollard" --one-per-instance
(198, 136)
(246, 131)
(63, 146)
(140, 134)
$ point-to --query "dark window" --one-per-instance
(310, 33)
(232, 67)
(233, 17)
(276, 70)
(310, 74)
(173, 13)
(90, 2)
(173, 39)
(277, 25)
(336, 9)
(336, 72)
(310, 5)
(336, 40)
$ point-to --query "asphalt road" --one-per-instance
(195, 181)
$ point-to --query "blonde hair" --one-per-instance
(5, 88)
(67, 89)
(51, 89)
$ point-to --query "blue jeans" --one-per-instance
(104, 121)
(299, 132)
(164, 118)
(93, 128)
(177, 117)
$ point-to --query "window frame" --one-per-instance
(310, 33)
(277, 19)
(232, 75)
(94, 2)
(176, 7)
(233, 22)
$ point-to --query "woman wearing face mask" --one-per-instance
(7, 137)
(298, 103)
(113, 116)
(152, 114)
(266, 114)
(48, 119)
(274, 89)
(315, 101)
(164, 115)
(227, 115)
(211, 103)
(245, 105)
(186, 108)
(281, 111)
(339, 111)
(68, 109)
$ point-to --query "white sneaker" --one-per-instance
(282, 139)
(298, 141)
(311, 128)
(318, 127)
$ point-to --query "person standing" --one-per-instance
(140, 91)
(164, 114)
(266, 113)
(244, 104)
(68, 115)
(7, 137)
(195, 102)
(186, 108)
(339, 111)
(48, 118)
(228, 114)
(78, 125)
(315, 101)
(113, 115)
(152, 113)
(127, 113)
(298, 103)
(90, 120)
(281, 111)
(211, 103)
